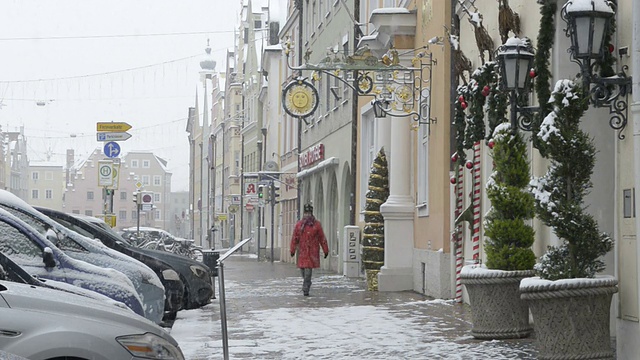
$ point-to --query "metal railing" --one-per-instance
(223, 306)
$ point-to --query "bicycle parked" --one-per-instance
(158, 239)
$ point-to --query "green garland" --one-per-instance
(481, 79)
(460, 124)
(541, 65)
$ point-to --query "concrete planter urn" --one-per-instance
(571, 316)
(497, 311)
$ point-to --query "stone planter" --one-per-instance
(497, 311)
(571, 316)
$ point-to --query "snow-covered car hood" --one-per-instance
(41, 299)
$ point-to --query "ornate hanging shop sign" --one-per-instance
(300, 98)
(397, 90)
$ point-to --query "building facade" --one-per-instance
(46, 185)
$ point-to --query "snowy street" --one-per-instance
(269, 318)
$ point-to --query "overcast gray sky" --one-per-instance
(68, 64)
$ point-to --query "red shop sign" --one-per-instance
(312, 156)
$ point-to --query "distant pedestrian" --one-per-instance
(307, 238)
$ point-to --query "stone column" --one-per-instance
(398, 212)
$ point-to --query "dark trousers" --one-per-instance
(306, 275)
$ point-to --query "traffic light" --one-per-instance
(260, 191)
(137, 197)
(275, 193)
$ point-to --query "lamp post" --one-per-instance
(588, 24)
(515, 60)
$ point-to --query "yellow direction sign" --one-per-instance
(113, 126)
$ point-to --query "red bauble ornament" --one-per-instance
(454, 157)
(469, 165)
(461, 99)
(452, 180)
(485, 90)
(463, 105)
(491, 144)
(610, 48)
(532, 73)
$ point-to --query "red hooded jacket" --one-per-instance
(307, 238)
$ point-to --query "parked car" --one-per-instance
(197, 277)
(11, 271)
(173, 286)
(145, 281)
(40, 324)
(38, 256)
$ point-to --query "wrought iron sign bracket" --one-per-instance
(398, 91)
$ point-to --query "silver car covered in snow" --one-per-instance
(145, 281)
(39, 323)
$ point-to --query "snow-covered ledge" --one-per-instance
(391, 22)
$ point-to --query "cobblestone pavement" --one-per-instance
(268, 318)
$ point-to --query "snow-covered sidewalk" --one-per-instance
(268, 318)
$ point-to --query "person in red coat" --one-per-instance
(307, 238)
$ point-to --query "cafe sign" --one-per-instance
(313, 155)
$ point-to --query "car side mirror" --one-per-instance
(52, 236)
(48, 259)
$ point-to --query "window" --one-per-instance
(19, 244)
(48, 175)
(145, 179)
(34, 194)
(157, 180)
(122, 215)
(146, 164)
(134, 215)
(48, 194)
(88, 212)
(123, 195)
(157, 215)
(156, 197)
(89, 195)
(134, 163)
(35, 175)
(75, 212)
(423, 171)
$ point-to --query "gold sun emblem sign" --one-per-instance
(300, 98)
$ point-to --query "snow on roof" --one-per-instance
(44, 164)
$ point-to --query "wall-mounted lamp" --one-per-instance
(588, 23)
(515, 60)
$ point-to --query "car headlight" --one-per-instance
(150, 346)
(171, 275)
(198, 271)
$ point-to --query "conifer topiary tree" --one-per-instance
(560, 193)
(373, 235)
(509, 242)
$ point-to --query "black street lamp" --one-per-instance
(515, 60)
(588, 23)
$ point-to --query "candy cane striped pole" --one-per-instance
(457, 236)
(476, 203)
